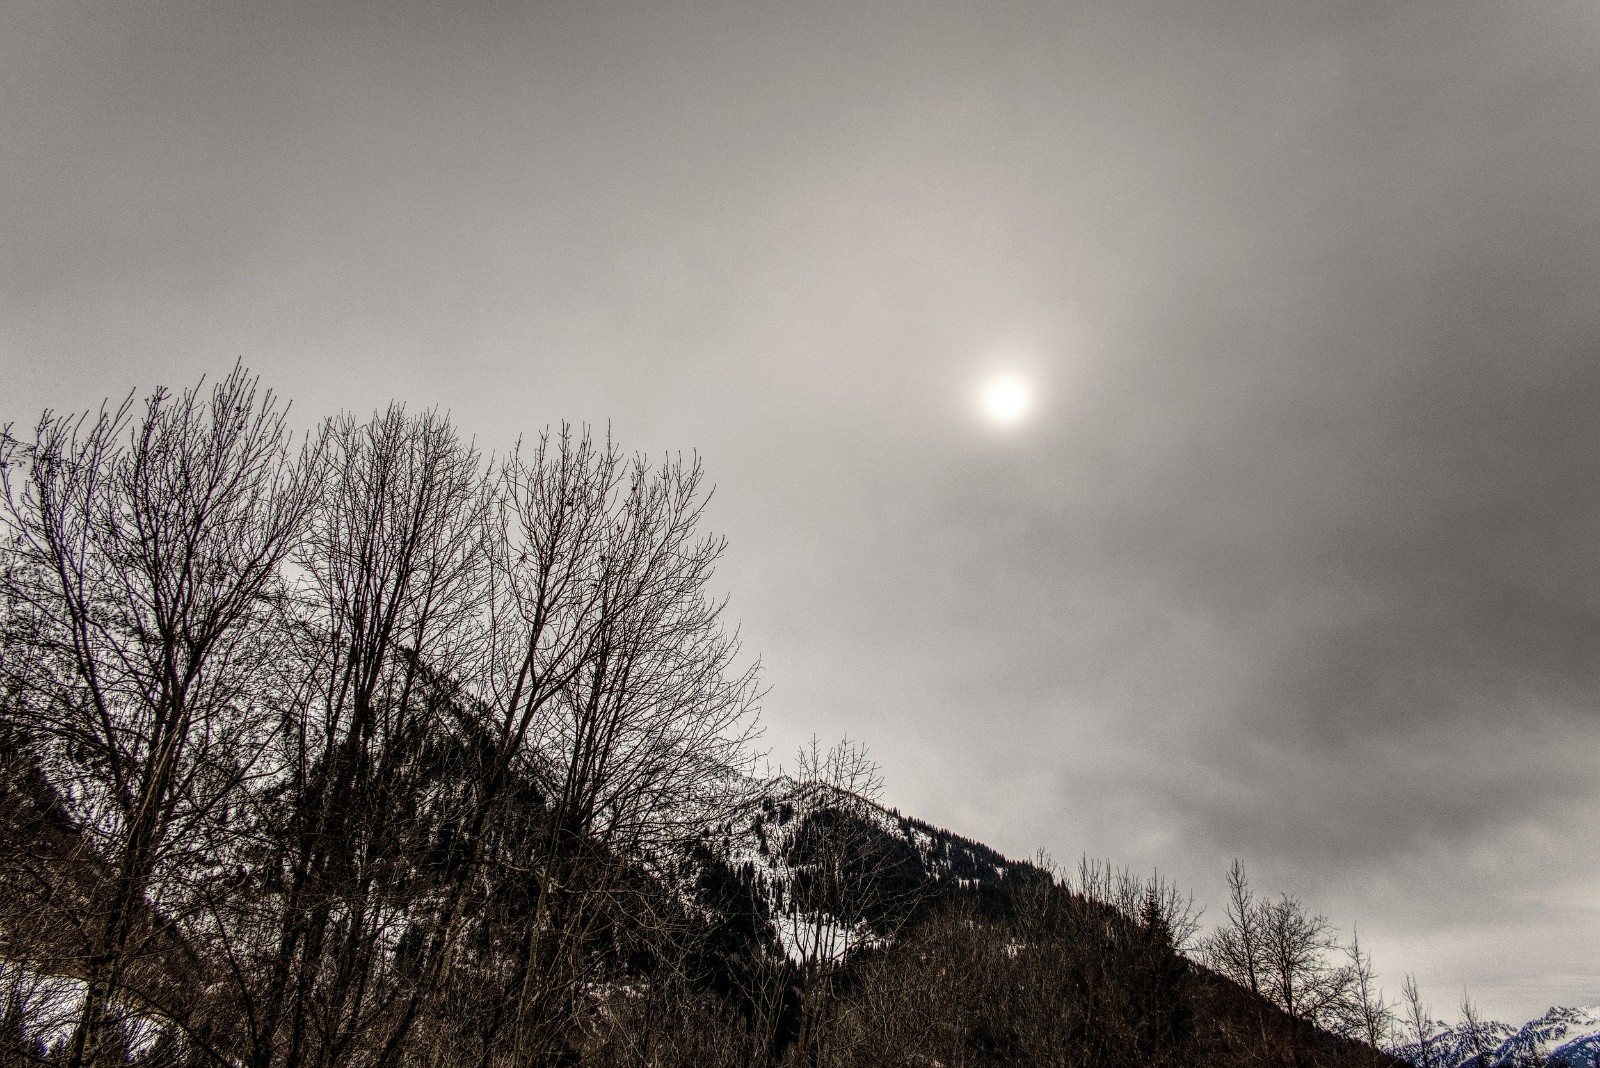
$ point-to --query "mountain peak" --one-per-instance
(1564, 1037)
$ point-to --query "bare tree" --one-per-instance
(950, 979)
(390, 585)
(1418, 1019)
(1301, 976)
(848, 890)
(143, 564)
(1237, 949)
(609, 687)
(1369, 1015)
(368, 753)
(1278, 949)
(1479, 1036)
(1155, 900)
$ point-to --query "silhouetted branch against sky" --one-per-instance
(1162, 431)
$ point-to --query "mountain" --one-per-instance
(808, 926)
(814, 854)
(1561, 1038)
(934, 948)
(1457, 1046)
(1564, 1037)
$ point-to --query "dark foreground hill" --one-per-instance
(840, 932)
(846, 934)
(808, 927)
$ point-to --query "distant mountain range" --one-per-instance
(1561, 1038)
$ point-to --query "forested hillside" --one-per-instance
(367, 749)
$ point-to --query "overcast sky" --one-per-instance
(1296, 557)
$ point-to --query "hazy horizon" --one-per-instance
(1294, 555)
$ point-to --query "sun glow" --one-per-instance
(1006, 400)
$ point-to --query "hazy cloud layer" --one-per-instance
(1298, 561)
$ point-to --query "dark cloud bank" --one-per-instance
(1297, 562)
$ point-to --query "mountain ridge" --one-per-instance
(764, 856)
(1564, 1037)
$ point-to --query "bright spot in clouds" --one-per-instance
(1005, 400)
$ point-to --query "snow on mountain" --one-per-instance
(1458, 1047)
(829, 869)
(774, 829)
(1561, 1038)
(1564, 1037)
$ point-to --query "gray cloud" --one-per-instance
(1297, 562)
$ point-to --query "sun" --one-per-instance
(1006, 400)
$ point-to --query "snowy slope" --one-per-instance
(1561, 1038)
(768, 830)
(775, 840)
(1456, 1047)
(1567, 1037)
